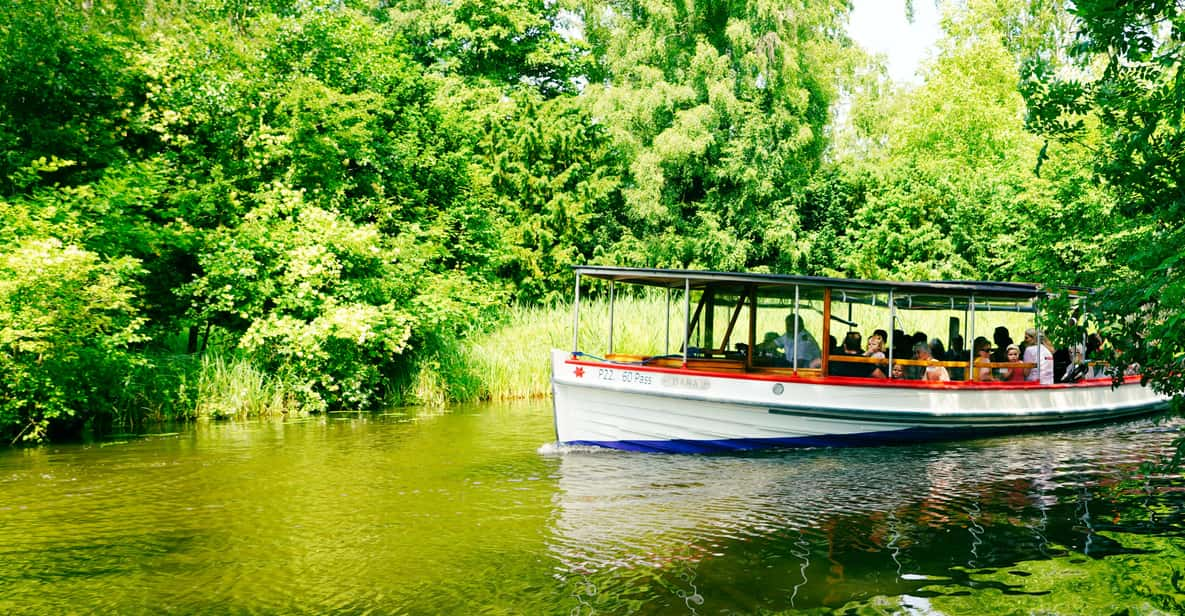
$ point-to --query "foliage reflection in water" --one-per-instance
(474, 511)
(1042, 522)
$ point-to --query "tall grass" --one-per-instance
(234, 388)
(512, 360)
(172, 386)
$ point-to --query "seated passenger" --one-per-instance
(1038, 351)
(809, 355)
(1002, 339)
(933, 372)
(983, 355)
(956, 353)
(1016, 374)
(898, 372)
(767, 349)
(850, 348)
(1077, 368)
(1094, 356)
(937, 349)
(876, 350)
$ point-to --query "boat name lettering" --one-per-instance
(625, 376)
(685, 382)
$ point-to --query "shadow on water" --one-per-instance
(943, 528)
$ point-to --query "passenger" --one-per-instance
(1062, 359)
(850, 348)
(1038, 351)
(933, 372)
(1002, 339)
(1077, 369)
(937, 350)
(901, 343)
(898, 372)
(809, 354)
(876, 350)
(983, 355)
(1015, 374)
(768, 347)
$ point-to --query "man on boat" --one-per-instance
(932, 371)
(809, 355)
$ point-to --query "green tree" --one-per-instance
(67, 91)
(1123, 97)
(67, 318)
(948, 168)
(720, 112)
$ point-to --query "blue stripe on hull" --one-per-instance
(887, 437)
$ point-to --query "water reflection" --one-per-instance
(810, 528)
(465, 512)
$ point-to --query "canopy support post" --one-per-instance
(576, 318)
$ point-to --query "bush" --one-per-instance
(67, 319)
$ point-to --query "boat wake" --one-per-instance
(555, 449)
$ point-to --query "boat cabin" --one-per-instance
(816, 327)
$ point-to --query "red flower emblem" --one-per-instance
(579, 372)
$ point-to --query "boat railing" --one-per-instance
(725, 364)
(860, 359)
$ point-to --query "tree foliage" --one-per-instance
(720, 111)
(340, 191)
(67, 318)
(1119, 89)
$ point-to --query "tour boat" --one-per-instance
(726, 386)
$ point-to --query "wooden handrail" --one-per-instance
(858, 359)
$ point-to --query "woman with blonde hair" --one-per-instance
(1038, 351)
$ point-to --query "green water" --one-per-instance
(475, 511)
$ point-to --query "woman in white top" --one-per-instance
(1038, 351)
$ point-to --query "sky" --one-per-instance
(879, 26)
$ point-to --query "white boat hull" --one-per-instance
(646, 408)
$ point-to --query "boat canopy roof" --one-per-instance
(698, 279)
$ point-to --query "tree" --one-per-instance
(948, 165)
(67, 318)
(1122, 93)
(68, 91)
(720, 111)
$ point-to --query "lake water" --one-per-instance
(476, 511)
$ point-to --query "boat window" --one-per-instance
(789, 328)
(720, 323)
(856, 317)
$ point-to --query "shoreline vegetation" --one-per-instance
(507, 362)
(214, 208)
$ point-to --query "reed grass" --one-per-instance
(441, 373)
(512, 361)
(232, 387)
